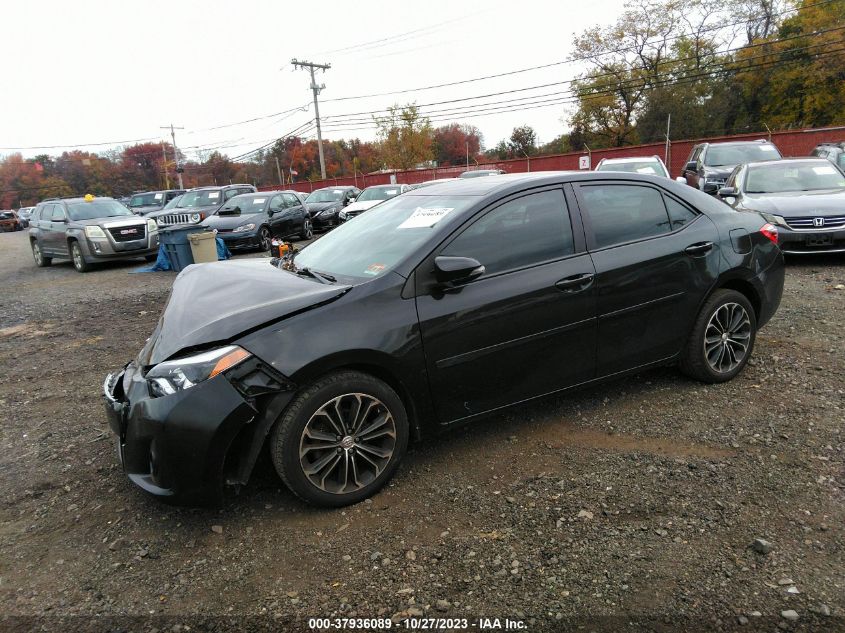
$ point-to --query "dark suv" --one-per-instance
(87, 230)
(197, 204)
(834, 152)
(710, 164)
(148, 201)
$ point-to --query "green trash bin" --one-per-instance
(174, 240)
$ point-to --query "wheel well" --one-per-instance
(745, 288)
(382, 374)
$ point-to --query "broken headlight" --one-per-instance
(183, 373)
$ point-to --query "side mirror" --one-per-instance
(728, 192)
(681, 179)
(710, 187)
(691, 166)
(457, 269)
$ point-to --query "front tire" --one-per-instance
(722, 338)
(307, 230)
(341, 439)
(265, 239)
(78, 258)
(41, 260)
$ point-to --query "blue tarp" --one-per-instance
(163, 263)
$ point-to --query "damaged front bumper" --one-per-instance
(176, 446)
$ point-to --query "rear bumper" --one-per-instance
(175, 446)
(811, 242)
(770, 287)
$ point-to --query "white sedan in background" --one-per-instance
(370, 197)
(650, 165)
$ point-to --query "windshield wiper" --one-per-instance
(323, 278)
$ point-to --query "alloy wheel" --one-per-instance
(266, 239)
(726, 337)
(76, 252)
(308, 230)
(36, 254)
(347, 443)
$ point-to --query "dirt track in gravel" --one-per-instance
(629, 505)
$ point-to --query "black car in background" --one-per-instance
(834, 152)
(324, 205)
(710, 164)
(148, 201)
(197, 204)
(450, 303)
(251, 220)
(804, 197)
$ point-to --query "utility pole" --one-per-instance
(316, 90)
(164, 164)
(668, 142)
(279, 171)
(175, 150)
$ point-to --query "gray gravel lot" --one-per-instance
(630, 506)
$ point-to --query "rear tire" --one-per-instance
(41, 260)
(722, 338)
(78, 258)
(341, 439)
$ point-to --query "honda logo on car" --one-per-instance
(818, 222)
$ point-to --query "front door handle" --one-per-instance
(699, 249)
(575, 283)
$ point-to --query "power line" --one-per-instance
(560, 62)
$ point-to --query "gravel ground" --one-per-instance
(631, 506)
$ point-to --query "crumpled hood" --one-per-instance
(798, 203)
(215, 302)
(229, 222)
(358, 207)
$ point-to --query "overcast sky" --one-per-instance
(86, 71)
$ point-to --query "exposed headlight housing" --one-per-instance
(94, 231)
(774, 219)
(342, 215)
(244, 228)
(152, 227)
(172, 376)
(196, 217)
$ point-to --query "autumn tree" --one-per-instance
(523, 141)
(455, 143)
(405, 137)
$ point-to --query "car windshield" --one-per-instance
(247, 204)
(202, 198)
(173, 203)
(368, 245)
(378, 193)
(783, 177)
(651, 167)
(325, 195)
(152, 199)
(96, 209)
(723, 155)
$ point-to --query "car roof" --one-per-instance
(629, 159)
(759, 141)
(505, 183)
(337, 187)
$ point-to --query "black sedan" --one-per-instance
(804, 197)
(324, 205)
(452, 302)
(252, 220)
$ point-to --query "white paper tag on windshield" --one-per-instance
(258, 200)
(824, 170)
(645, 170)
(425, 218)
(768, 148)
(213, 195)
(158, 196)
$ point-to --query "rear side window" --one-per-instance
(58, 213)
(679, 215)
(623, 213)
(522, 232)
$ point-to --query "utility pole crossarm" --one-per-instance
(311, 66)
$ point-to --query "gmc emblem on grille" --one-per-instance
(818, 222)
(129, 231)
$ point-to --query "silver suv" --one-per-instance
(88, 230)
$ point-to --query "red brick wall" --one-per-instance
(789, 142)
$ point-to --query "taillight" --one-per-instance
(770, 231)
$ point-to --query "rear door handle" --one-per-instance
(699, 249)
(575, 283)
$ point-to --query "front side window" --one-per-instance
(276, 204)
(523, 232)
(291, 200)
(624, 213)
